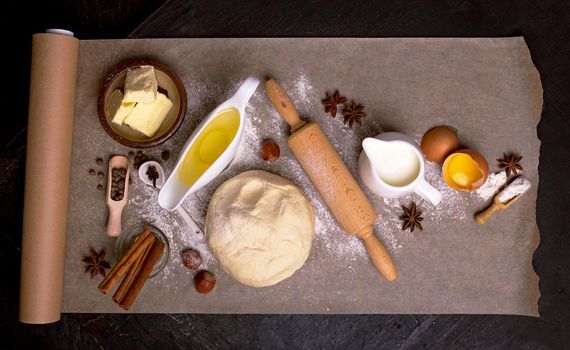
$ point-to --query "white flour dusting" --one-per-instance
(495, 181)
(262, 121)
(519, 186)
(453, 202)
(145, 203)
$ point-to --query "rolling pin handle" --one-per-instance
(284, 106)
(379, 255)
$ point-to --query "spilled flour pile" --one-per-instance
(262, 121)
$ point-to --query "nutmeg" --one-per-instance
(204, 282)
(191, 258)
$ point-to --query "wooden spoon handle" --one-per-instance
(283, 104)
(114, 223)
(379, 256)
(486, 214)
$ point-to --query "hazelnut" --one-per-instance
(270, 150)
(204, 282)
(191, 258)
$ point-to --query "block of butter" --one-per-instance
(140, 85)
(147, 117)
(118, 109)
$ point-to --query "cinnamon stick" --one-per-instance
(130, 277)
(135, 251)
(138, 283)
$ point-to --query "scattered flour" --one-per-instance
(262, 121)
(518, 186)
(494, 183)
(453, 202)
(144, 201)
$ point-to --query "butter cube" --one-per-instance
(147, 117)
(140, 85)
(117, 108)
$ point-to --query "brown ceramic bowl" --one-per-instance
(168, 83)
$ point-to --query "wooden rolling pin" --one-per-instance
(332, 179)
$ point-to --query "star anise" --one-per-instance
(412, 218)
(510, 162)
(353, 112)
(96, 263)
(331, 101)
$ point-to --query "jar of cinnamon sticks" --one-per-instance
(143, 252)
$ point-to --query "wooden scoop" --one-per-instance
(497, 205)
(522, 185)
(116, 207)
(332, 179)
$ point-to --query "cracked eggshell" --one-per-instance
(481, 163)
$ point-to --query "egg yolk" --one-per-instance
(463, 170)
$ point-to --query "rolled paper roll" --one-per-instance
(48, 156)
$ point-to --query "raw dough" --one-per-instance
(260, 228)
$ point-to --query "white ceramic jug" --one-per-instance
(392, 165)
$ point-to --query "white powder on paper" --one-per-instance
(519, 186)
(262, 121)
(453, 202)
(144, 201)
(304, 92)
(495, 181)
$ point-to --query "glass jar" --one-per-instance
(128, 237)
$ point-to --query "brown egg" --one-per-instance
(465, 173)
(438, 143)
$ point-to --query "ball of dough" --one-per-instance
(260, 228)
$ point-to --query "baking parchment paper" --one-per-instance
(488, 89)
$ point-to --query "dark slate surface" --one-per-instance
(544, 24)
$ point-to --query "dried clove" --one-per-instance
(152, 174)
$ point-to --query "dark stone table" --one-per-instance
(544, 24)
